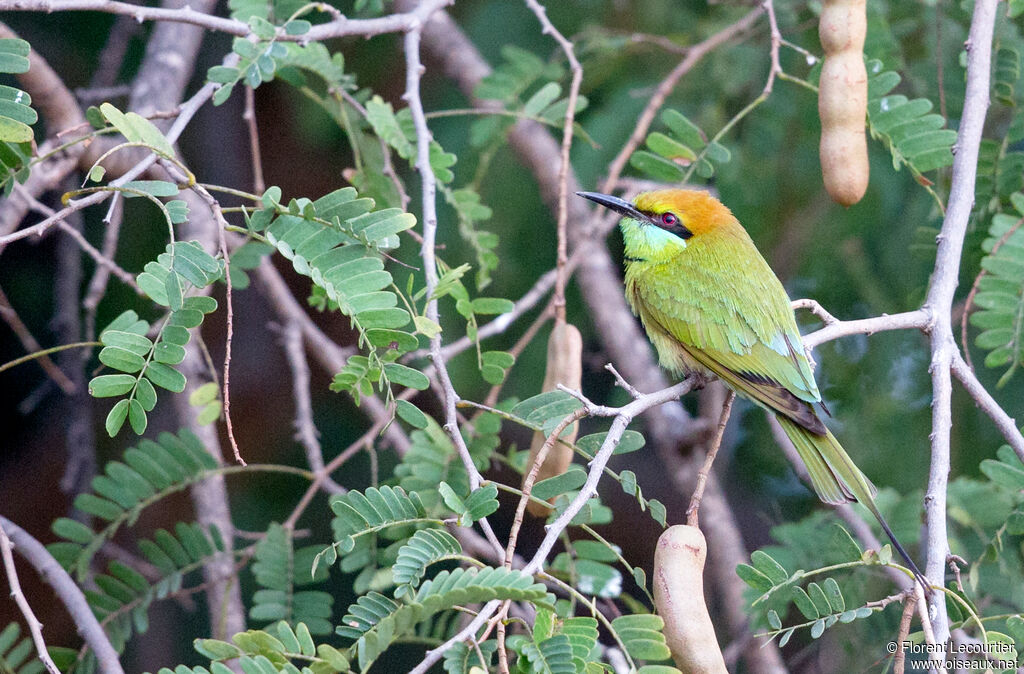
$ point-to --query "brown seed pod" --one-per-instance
(565, 367)
(843, 100)
(679, 598)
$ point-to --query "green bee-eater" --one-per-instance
(711, 304)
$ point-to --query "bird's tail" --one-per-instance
(836, 479)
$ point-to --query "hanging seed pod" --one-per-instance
(565, 367)
(843, 100)
(679, 598)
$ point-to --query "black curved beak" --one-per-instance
(616, 204)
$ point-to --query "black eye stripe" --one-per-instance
(678, 229)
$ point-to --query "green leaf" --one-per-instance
(552, 655)
(12, 131)
(116, 417)
(14, 56)
(685, 130)
(451, 499)
(166, 377)
(819, 599)
(406, 376)
(427, 327)
(835, 596)
(372, 510)
(382, 118)
(297, 27)
(544, 97)
(642, 636)
(156, 188)
(137, 129)
(110, 385)
(74, 531)
(216, 650)
(204, 394)
(754, 578)
(481, 502)
(1003, 474)
(136, 417)
(560, 484)
(913, 136)
(804, 603)
(424, 548)
(492, 305)
(656, 167)
(411, 414)
(630, 441)
(669, 148)
(121, 359)
(764, 563)
(376, 621)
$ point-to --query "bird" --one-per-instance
(712, 305)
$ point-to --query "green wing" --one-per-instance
(736, 323)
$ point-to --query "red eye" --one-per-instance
(669, 219)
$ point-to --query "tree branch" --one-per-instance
(983, 399)
(69, 594)
(413, 71)
(939, 302)
(35, 627)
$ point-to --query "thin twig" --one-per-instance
(222, 225)
(322, 476)
(899, 662)
(499, 324)
(186, 112)
(34, 626)
(625, 385)
(259, 186)
(693, 56)
(702, 476)
(12, 319)
(563, 171)
(103, 261)
(531, 477)
(340, 26)
(926, 625)
(414, 70)
(776, 42)
(305, 430)
(389, 167)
